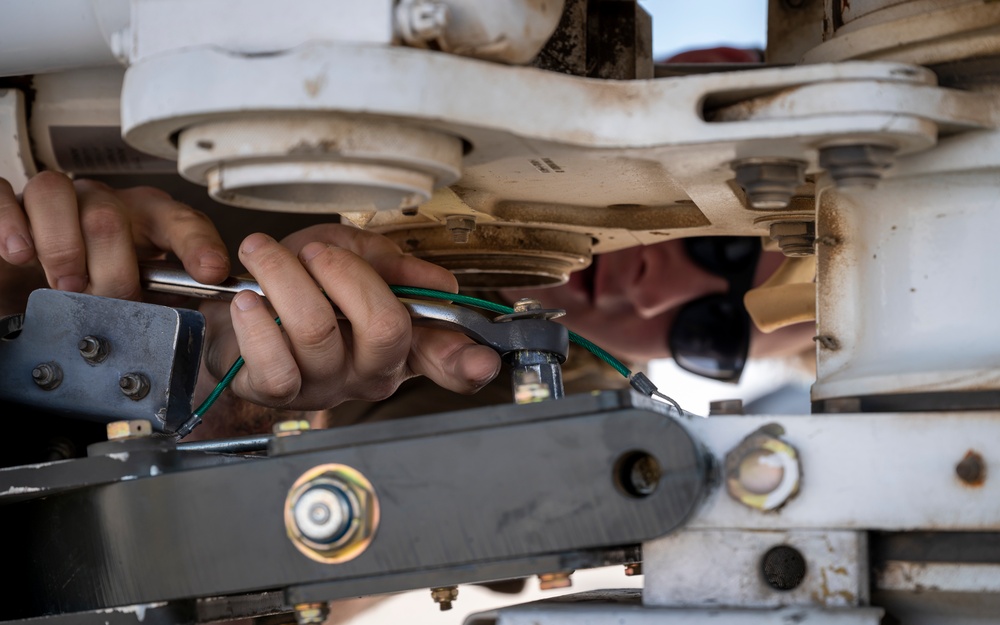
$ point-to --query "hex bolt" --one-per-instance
(290, 427)
(795, 238)
(134, 385)
(311, 613)
(769, 183)
(460, 227)
(858, 165)
(47, 375)
(421, 21)
(444, 596)
(552, 581)
(93, 349)
(122, 430)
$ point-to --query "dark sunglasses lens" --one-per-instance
(723, 256)
(711, 337)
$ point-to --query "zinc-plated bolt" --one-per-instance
(47, 375)
(290, 427)
(134, 385)
(795, 238)
(136, 428)
(460, 227)
(323, 513)
(633, 568)
(93, 349)
(552, 581)
(769, 183)
(762, 472)
(421, 21)
(311, 613)
(444, 595)
(859, 165)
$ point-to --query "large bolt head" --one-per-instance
(323, 514)
(762, 472)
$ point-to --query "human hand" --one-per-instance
(84, 236)
(315, 361)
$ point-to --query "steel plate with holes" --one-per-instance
(104, 359)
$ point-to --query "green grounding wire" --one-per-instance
(638, 380)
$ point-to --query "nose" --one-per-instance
(669, 279)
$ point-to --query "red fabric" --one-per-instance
(722, 54)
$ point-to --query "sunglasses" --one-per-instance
(711, 335)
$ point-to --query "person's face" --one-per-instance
(626, 301)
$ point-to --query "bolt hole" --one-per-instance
(637, 474)
(783, 567)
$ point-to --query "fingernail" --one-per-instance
(254, 241)
(76, 284)
(311, 251)
(213, 260)
(17, 243)
(245, 300)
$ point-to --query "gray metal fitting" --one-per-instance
(858, 165)
(136, 428)
(763, 471)
(460, 227)
(795, 238)
(444, 596)
(93, 349)
(769, 183)
(47, 375)
(311, 613)
(134, 385)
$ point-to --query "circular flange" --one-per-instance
(311, 163)
(500, 256)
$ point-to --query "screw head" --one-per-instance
(47, 375)
(134, 385)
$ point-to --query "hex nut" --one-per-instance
(444, 596)
(795, 238)
(552, 581)
(311, 613)
(770, 491)
(94, 349)
(122, 430)
(47, 375)
(860, 165)
(134, 385)
(290, 427)
(769, 183)
(460, 227)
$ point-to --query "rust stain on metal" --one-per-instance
(972, 469)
